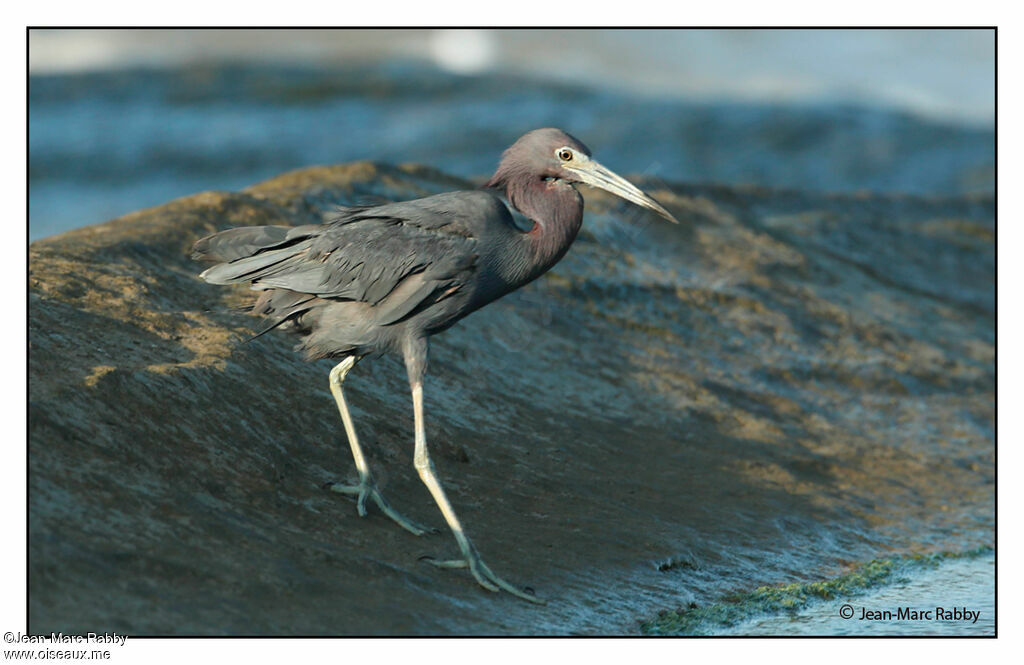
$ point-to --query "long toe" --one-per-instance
(368, 490)
(342, 488)
(409, 525)
(445, 563)
(483, 575)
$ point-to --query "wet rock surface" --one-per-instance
(783, 384)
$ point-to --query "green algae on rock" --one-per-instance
(741, 607)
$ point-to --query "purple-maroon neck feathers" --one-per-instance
(528, 177)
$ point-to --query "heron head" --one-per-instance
(554, 154)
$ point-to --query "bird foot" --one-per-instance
(484, 575)
(367, 489)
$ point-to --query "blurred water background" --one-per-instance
(120, 120)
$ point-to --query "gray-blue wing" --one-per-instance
(396, 257)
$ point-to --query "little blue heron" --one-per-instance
(384, 278)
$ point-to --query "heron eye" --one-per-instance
(565, 154)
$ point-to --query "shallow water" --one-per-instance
(954, 585)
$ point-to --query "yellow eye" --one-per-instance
(565, 154)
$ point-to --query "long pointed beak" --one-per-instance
(592, 173)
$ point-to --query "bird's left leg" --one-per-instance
(415, 358)
(367, 487)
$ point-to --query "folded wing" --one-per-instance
(398, 257)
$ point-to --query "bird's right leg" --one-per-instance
(415, 359)
(367, 487)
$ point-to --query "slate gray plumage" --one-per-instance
(385, 278)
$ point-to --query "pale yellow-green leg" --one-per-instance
(367, 487)
(471, 558)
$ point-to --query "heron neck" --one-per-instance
(556, 210)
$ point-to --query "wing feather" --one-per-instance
(396, 257)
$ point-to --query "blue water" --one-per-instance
(943, 74)
(104, 144)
